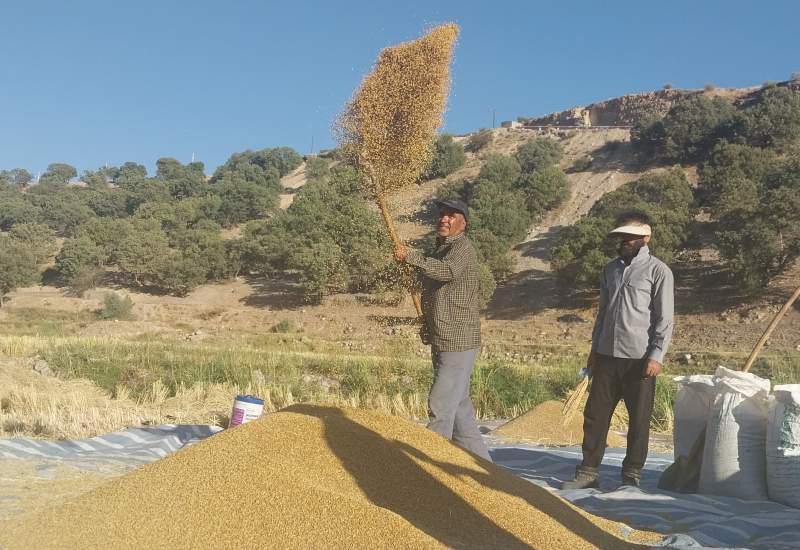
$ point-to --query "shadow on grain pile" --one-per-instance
(320, 477)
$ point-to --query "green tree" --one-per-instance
(584, 248)
(63, 210)
(323, 269)
(141, 191)
(773, 119)
(500, 169)
(316, 168)
(731, 177)
(80, 263)
(129, 174)
(16, 207)
(58, 174)
(762, 240)
(18, 177)
(182, 181)
(178, 273)
(242, 200)
(693, 126)
(17, 266)
(39, 239)
(648, 136)
(544, 189)
(538, 153)
(448, 156)
(140, 256)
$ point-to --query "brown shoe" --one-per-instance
(585, 478)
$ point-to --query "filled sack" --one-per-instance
(692, 405)
(783, 446)
(734, 456)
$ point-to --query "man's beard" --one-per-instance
(630, 252)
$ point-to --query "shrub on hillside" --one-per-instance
(116, 307)
(328, 236)
(500, 169)
(17, 266)
(773, 119)
(538, 153)
(448, 156)
(316, 168)
(544, 189)
(80, 262)
(693, 126)
(759, 237)
(584, 248)
(39, 239)
(479, 141)
(731, 177)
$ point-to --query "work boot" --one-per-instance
(631, 477)
(585, 478)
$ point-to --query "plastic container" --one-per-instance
(245, 409)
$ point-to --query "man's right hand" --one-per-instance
(400, 252)
(424, 335)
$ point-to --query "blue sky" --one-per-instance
(95, 82)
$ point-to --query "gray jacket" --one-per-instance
(635, 318)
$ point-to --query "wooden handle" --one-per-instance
(387, 219)
(770, 328)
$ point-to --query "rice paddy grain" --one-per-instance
(320, 477)
(388, 126)
(544, 425)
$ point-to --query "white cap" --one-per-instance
(638, 229)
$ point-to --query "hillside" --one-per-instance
(527, 320)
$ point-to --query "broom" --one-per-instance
(387, 128)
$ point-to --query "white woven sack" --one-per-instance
(692, 404)
(734, 457)
(783, 446)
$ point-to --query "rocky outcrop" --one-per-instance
(620, 111)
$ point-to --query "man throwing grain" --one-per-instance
(630, 337)
(450, 306)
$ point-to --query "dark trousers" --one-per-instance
(613, 379)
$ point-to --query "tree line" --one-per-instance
(748, 159)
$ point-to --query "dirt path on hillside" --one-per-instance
(291, 182)
(531, 289)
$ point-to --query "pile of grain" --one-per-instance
(544, 425)
(319, 477)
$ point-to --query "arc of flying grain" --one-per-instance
(388, 126)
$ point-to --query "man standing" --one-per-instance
(630, 337)
(450, 305)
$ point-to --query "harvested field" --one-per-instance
(544, 425)
(313, 477)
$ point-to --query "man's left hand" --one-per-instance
(652, 368)
(400, 252)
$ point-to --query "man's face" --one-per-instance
(451, 222)
(628, 245)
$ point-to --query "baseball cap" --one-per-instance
(455, 204)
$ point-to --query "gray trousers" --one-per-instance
(450, 407)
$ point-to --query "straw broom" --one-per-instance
(388, 126)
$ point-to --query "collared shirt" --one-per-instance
(635, 317)
(450, 298)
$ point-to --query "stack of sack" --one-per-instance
(733, 438)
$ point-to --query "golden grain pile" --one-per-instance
(389, 125)
(319, 477)
(544, 425)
